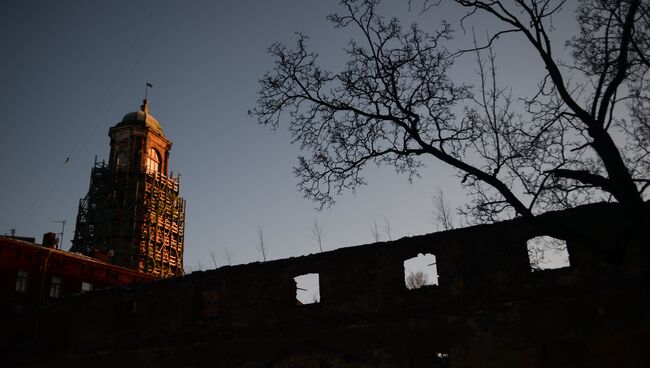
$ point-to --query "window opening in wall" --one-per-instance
(22, 278)
(86, 287)
(55, 287)
(420, 271)
(547, 253)
(307, 289)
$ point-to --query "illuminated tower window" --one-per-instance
(153, 161)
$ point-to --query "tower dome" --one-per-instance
(141, 118)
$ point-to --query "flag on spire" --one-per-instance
(146, 91)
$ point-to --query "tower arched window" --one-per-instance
(121, 161)
(153, 161)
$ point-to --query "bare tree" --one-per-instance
(415, 280)
(374, 231)
(261, 247)
(213, 256)
(443, 216)
(227, 254)
(387, 228)
(393, 102)
(317, 233)
(583, 100)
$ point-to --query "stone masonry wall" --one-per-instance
(488, 310)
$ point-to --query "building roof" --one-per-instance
(9, 241)
(141, 118)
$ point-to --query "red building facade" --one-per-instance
(31, 274)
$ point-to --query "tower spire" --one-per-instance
(145, 102)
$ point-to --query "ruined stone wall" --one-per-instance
(488, 310)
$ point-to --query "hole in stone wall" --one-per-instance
(307, 289)
(420, 271)
(547, 253)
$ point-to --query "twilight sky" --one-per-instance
(72, 69)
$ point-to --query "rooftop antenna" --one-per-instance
(62, 222)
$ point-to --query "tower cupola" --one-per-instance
(138, 143)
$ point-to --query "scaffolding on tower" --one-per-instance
(132, 219)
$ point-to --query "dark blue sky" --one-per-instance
(71, 69)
